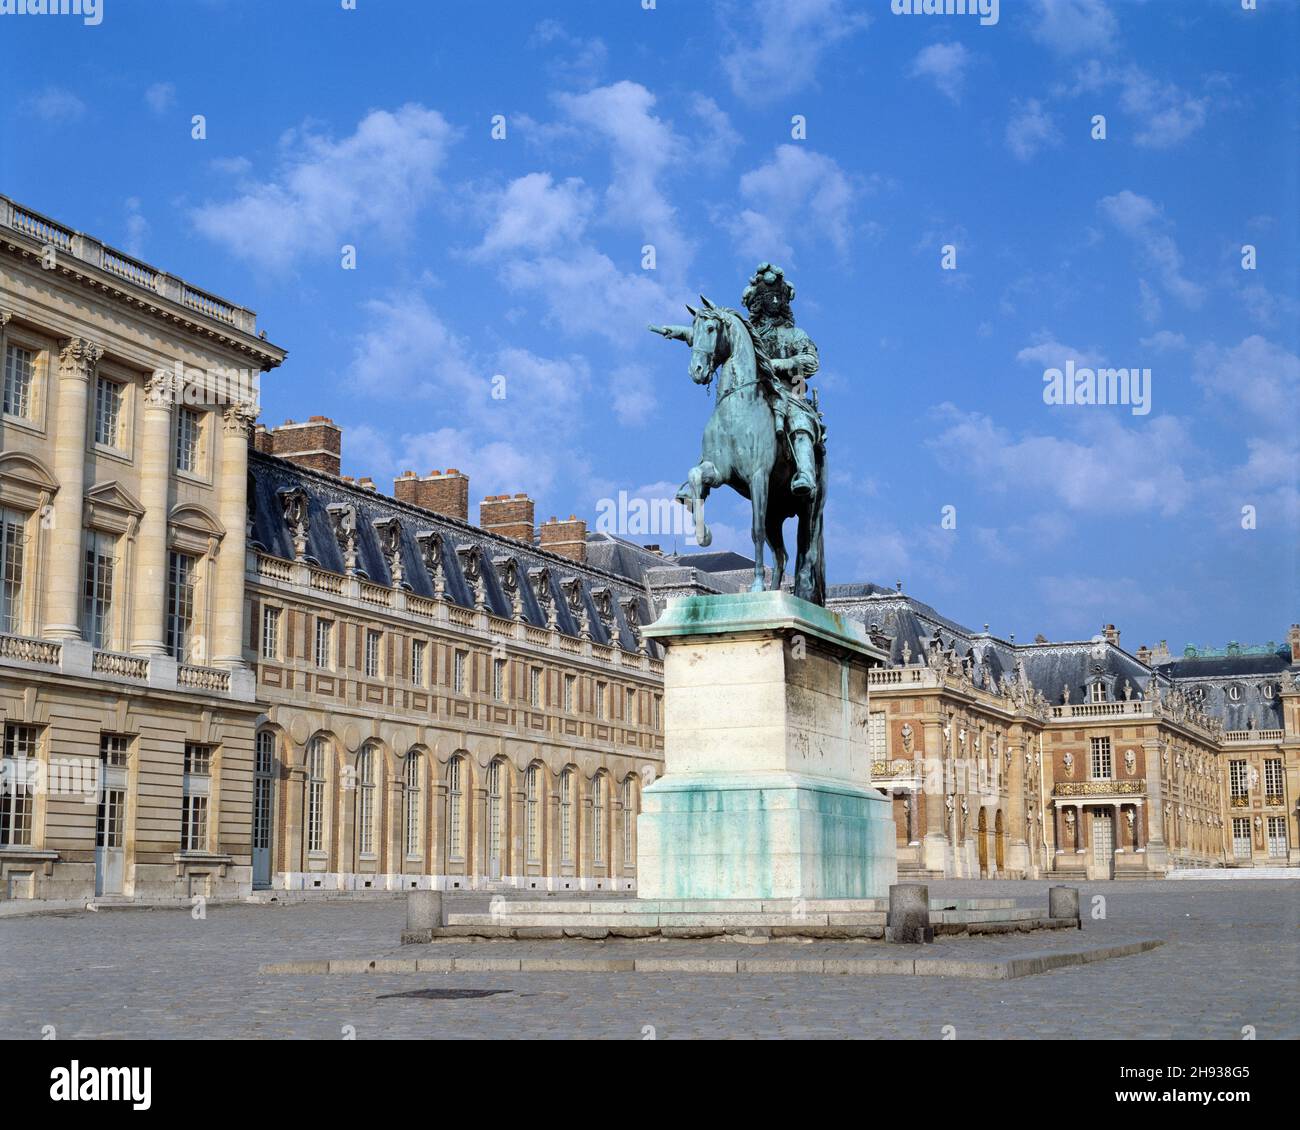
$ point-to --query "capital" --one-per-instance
(238, 417)
(78, 357)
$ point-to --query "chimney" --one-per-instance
(317, 444)
(1293, 638)
(1143, 655)
(442, 492)
(366, 482)
(568, 539)
(1111, 633)
(511, 516)
(262, 439)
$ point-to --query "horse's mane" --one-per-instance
(761, 358)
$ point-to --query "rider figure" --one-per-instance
(793, 358)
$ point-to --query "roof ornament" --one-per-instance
(390, 545)
(471, 565)
(343, 521)
(294, 505)
(431, 552)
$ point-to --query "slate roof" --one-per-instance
(269, 476)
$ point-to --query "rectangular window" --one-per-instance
(535, 686)
(189, 432)
(629, 822)
(20, 370)
(418, 648)
(1241, 837)
(570, 681)
(1238, 781)
(600, 701)
(414, 765)
(455, 811)
(316, 795)
(532, 813)
(97, 589)
(20, 748)
(180, 604)
(656, 705)
(1277, 837)
(566, 816)
(195, 789)
(1102, 769)
(324, 643)
(629, 713)
(108, 412)
(458, 671)
(1098, 691)
(372, 654)
(499, 679)
(270, 632)
(13, 540)
(877, 741)
(598, 819)
(1273, 780)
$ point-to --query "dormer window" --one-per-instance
(1234, 693)
(1098, 691)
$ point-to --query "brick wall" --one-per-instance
(567, 538)
(511, 516)
(316, 444)
(443, 492)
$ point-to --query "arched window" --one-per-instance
(366, 801)
(532, 813)
(566, 816)
(316, 753)
(495, 799)
(413, 768)
(598, 818)
(455, 809)
(629, 820)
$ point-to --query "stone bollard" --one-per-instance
(1063, 902)
(909, 914)
(424, 913)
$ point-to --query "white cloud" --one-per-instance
(1073, 27)
(53, 104)
(642, 147)
(329, 192)
(1048, 353)
(160, 97)
(1168, 114)
(1030, 129)
(776, 46)
(1164, 341)
(945, 65)
(533, 213)
(799, 192)
(1109, 468)
(137, 227)
(1142, 220)
(1257, 375)
(633, 395)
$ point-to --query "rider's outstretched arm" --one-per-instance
(678, 333)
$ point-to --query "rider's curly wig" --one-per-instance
(766, 279)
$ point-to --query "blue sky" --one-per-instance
(522, 257)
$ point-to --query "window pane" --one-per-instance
(20, 364)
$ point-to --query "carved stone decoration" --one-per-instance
(390, 545)
(471, 565)
(508, 570)
(294, 505)
(1065, 694)
(906, 734)
(1130, 762)
(603, 599)
(572, 587)
(632, 617)
(432, 549)
(1069, 764)
(238, 417)
(343, 520)
(1128, 691)
(78, 358)
(540, 578)
(907, 653)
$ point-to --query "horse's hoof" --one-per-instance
(802, 486)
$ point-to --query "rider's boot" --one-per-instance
(805, 479)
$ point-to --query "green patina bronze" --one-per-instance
(765, 439)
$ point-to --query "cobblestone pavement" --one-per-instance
(1231, 959)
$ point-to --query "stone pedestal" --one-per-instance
(767, 787)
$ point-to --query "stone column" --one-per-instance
(77, 360)
(934, 845)
(1139, 839)
(1058, 822)
(232, 504)
(150, 581)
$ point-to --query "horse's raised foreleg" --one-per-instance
(758, 498)
(699, 481)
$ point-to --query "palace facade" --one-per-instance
(225, 666)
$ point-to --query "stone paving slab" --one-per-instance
(1025, 965)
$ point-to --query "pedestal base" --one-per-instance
(761, 835)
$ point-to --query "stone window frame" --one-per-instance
(273, 613)
(201, 472)
(198, 812)
(456, 799)
(27, 488)
(194, 530)
(106, 371)
(419, 666)
(109, 508)
(1101, 757)
(16, 801)
(372, 657)
(367, 810)
(45, 355)
(534, 806)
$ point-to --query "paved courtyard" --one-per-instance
(1231, 960)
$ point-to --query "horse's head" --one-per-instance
(709, 345)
